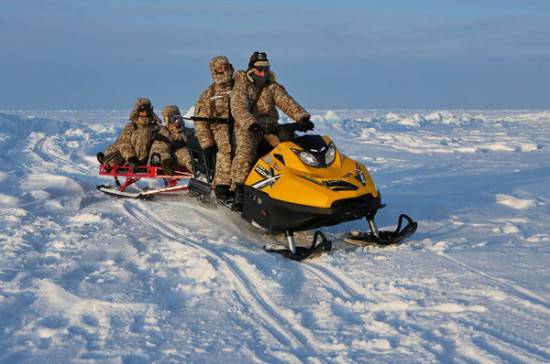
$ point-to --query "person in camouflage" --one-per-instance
(254, 102)
(214, 137)
(169, 143)
(133, 144)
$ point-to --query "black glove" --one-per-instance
(305, 124)
(210, 151)
(285, 132)
(179, 144)
(256, 130)
(272, 129)
(168, 167)
(133, 162)
(155, 160)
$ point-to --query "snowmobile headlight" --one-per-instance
(330, 155)
(308, 158)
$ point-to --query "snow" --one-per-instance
(85, 277)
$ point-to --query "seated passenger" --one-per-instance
(213, 136)
(132, 146)
(169, 143)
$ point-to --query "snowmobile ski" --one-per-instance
(299, 253)
(375, 237)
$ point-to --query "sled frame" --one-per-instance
(131, 176)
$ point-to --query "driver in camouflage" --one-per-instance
(254, 102)
(169, 143)
(133, 144)
(214, 136)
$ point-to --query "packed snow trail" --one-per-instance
(85, 277)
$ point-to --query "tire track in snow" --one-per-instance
(281, 328)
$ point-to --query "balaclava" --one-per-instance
(172, 118)
(225, 77)
(258, 60)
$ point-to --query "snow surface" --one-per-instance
(85, 277)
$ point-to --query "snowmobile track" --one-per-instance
(285, 332)
(329, 278)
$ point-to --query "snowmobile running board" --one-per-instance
(301, 253)
(375, 237)
(131, 176)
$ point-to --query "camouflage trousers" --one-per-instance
(182, 158)
(246, 153)
(140, 140)
(220, 133)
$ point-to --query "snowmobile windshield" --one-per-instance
(315, 152)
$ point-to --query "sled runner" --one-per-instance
(303, 184)
(175, 183)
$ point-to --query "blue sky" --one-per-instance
(465, 54)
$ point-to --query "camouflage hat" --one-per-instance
(170, 112)
(143, 102)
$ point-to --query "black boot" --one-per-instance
(101, 160)
(221, 192)
(168, 167)
(238, 198)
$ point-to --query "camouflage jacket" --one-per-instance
(212, 103)
(124, 142)
(168, 140)
(251, 104)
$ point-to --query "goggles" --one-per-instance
(262, 68)
(147, 109)
(176, 121)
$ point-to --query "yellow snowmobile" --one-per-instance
(306, 183)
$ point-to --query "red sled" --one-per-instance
(172, 183)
